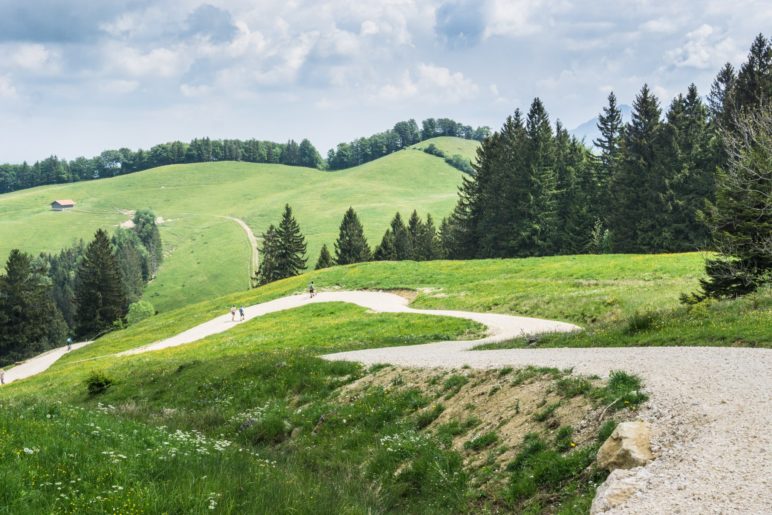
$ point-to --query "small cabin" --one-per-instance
(61, 205)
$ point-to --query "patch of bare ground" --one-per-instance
(467, 406)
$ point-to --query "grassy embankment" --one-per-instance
(208, 255)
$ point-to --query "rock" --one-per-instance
(619, 486)
(628, 446)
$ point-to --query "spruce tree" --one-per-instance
(638, 189)
(325, 259)
(403, 247)
(29, 320)
(291, 246)
(386, 250)
(541, 221)
(610, 126)
(741, 217)
(351, 245)
(131, 256)
(147, 230)
(99, 291)
(753, 88)
(267, 271)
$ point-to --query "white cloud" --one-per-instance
(663, 25)
(513, 18)
(705, 48)
(159, 62)
(431, 83)
(7, 89)
(368, 28)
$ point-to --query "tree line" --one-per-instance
(82, 291)
(537, 191)
(402, 135)
(111, 163)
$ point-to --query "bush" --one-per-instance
(640, 321)
(139, 311)
(482, 441)
(98, 382)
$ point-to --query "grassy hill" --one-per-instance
(207, 254)
(451, 146)
(251, 419)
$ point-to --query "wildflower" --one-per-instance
(27, 450)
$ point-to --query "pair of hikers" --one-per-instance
(241, 313)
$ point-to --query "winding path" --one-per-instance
(254, 262)
(711, 407)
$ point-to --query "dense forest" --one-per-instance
(536, 191)
(111, 163)
(83, 290)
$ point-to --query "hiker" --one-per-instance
(233, 313)
(311, 290)
(241, 312)
(69, 344)
(2, 376)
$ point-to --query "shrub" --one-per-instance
(139, 311)
(639, 322)
(482, 441)
(98, 382)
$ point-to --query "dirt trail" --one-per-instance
(255, 261)
(711, 407)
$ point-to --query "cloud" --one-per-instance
(211, 22)
(434, 84)
(513, 18)
(7, 89)
(460, 22)
(159, 62)
(705, 48)
(118, 86)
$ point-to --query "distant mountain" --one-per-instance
(589, 129)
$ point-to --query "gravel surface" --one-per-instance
(710, 407)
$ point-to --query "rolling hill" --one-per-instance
(208, 255)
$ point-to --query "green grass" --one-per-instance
(208, 255)
(452, 146)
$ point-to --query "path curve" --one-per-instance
(254, 263)
(711, 407)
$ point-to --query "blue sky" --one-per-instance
(81, 76)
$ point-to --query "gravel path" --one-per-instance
(38, 364)
(254, 262)
(711, 408)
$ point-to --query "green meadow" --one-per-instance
(207, 255)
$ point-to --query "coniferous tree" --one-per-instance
(325, 259)
(62, 269)
(351, 245)
(29, 320)
(100, 296)
(638, 189)
(386, 250)
(132, 259)
(610, 126)
(268, 270)
(741, 217)
(403, 247)
(427, 244)
(415, 227)
(291, 246)
(753, 87)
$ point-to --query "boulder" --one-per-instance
(628, 446)
(618, 488)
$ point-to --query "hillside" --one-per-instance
(207, 254)
(251, 418)
(451, 146)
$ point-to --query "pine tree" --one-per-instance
(29, 320)
(611, 127)
(386, 250)
(638, 190)
(291, 246)
(721, 97)
(132, 257)
(351, 245)
(403, 247)
(741, 217)
(99, 292)
(267, 271)
(147, 230)
(427, 245)
(754, 78)
(325, 259)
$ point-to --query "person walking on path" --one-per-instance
(69, 344)
(311, 290)
(2, 376)
(241, 313)
(233, 313)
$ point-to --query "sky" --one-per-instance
(81, 76)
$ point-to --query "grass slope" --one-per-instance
(208, 254)
(250, 420)
(452, 146)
